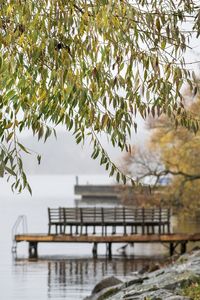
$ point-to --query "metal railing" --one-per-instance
(20, 223)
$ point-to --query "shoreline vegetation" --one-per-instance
(177, 279)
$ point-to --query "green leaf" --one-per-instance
(118, 177)
(10, 171)
(2, 169)
(23, 148)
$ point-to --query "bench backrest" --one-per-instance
(56, 215)
(103, 214)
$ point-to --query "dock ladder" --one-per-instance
(20, 223)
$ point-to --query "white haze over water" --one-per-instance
(64, 271)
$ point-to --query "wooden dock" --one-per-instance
(172, 240)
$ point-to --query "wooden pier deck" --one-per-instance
(173, 240)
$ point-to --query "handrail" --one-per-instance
(21, 221)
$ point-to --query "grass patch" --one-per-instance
(192, 291)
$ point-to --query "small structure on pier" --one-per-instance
(103, 193)
(98, 192)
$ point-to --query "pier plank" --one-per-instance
(139, 238)
(173, 240)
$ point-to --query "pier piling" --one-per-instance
(33, 253)
(94, 250)
(183, 247)
(109, 250)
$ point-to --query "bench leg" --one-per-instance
(125, 230)
(159, 229)
(143, 229)
(81, 230)
(147, 229)
(168, 228)
(136, 230)
(105, 230)
(132, 230)
(152, 229)
(114, 230)
(102, 230)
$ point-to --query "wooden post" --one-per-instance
(77, 217)
(65, 221)
(171, 249)
(61, 219)
(115, 217)
(102, 220)
(70, 230)
(124, 220)
(109, 250)
(153, 217)
(143, 229)
(168, 220)
(136, 218)
(94, 227)
(94, 250)
(183, 247)
(49, 217)
(33, 253)
(160, 219)
(81, 218)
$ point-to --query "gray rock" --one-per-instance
(105, 293)
(163, 284)
(153, 295)
(105, 283)
(180, 281)
(132, 282)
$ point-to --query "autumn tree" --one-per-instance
(172, 152)
(92, 66)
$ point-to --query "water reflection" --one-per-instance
(80, 271)
(83, 274)
(71, 278)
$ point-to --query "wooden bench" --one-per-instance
(129, 220)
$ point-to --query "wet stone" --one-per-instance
(153, 295)
(106, 282)
(163, 284)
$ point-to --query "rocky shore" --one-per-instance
(166, 283)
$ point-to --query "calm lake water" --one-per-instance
(62, 271)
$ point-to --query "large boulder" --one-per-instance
(105, 288)
(105, 283)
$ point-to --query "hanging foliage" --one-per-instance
(91, 66)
